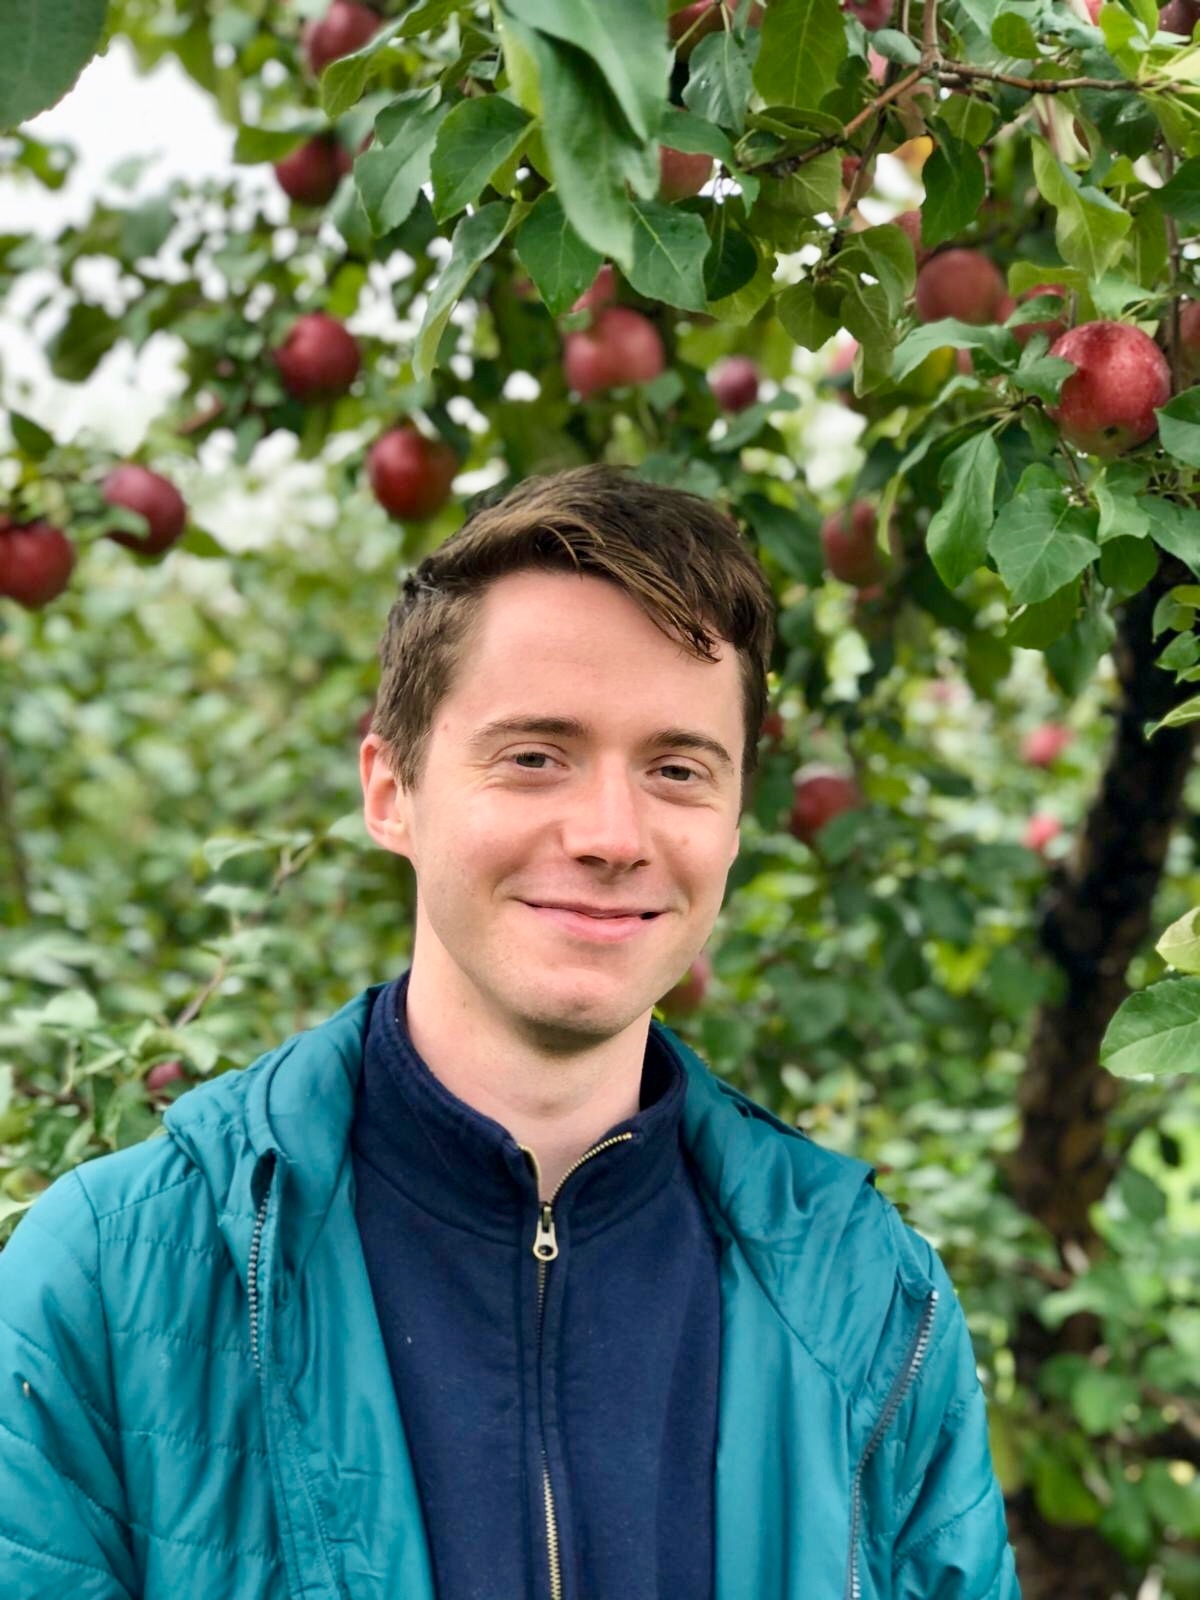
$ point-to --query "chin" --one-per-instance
(567, 1021)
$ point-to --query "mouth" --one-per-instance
(594, 926)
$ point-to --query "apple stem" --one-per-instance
(12, 840)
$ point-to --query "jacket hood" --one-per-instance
(812, 1231)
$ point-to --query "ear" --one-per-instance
(385, 802)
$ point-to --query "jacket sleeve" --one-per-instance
(64, 1533)
(950, 1540)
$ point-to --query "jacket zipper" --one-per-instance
(545, 1250)
(260, 1222)
(905, 1379)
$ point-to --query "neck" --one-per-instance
(556, 1104)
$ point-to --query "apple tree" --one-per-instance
(504, 238)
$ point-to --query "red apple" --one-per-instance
(1039, 831)
(164, 1073)
(848, 538)
(910, 223)
(602, 292)
(311, 173)
(35, 563)
(1107, 404)
(1179, 16)
(688, 994)
(1053, 328)
(734, 383)
(1042, 746)
(962, 284)
(820, 793)
(155, 498)
(681, 174)
(877, 65)
(411, 475)
(621, 347)
(344, 28)
(871, 13)
(319, 358)
(773, 728)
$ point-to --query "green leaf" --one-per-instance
(803, 45)
(1127, 565)
(1012, 36)
(588, 143)
(1179, 197)
(954, 188)
(744, 304)
(1119, 492)
(967, 118)
(1090, 227)
(867, 314)
(1100, 1399)
(803, 319)
(1175, 528)
(731, 261)
(561, 265)
(88, 334)
(1179, 427)
(719, 78)
(44, 46)
(1179, 946)
(1155, 1033)
(1039, 539)
(999, 343)
(683, 130)
(476, 137)
(1072, 660)
(1041, 375)
(343, 80)
(1037, 627)
(390, 174)
(1178, 716)
(626, 39)
(669, 247)
(474, 240)
(885, 253)
(32, 439)
(958, 530)
(272, 144)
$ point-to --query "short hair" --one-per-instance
(679, 557)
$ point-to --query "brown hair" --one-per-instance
(677, 556)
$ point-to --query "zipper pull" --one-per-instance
(545, 1244)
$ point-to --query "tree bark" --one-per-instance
(1095, 916)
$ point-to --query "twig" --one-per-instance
(1174, 343)
(200, 419)
(950, 73)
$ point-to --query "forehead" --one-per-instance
(558, 633)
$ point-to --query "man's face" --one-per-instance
(625, 798)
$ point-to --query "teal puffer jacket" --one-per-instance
(195, 1399)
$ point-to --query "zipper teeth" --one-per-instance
(900, 1388)
(605, 1144)
(260, 1221)
(553, 1557)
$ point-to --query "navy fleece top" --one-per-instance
(611, 1388)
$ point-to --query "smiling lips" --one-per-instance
(600, 925)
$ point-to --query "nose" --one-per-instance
(606, 820)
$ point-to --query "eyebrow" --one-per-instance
(572, 728)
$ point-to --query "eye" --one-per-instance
(519, 756)
(688, 772)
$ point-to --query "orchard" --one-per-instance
(913, 289)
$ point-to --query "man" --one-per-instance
(486, 1287)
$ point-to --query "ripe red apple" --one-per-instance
(155, 498)
(1179, 16)
(734, 383)
(1107, 404)
(344, 28)
(602, 292)
(1055, 327)
(910, 222)
(35, 563)
(1039, 830)
(163, 1074)
(681, 174)
(871, 13)
(962, 284)
(312, 172)
(773, 728)
(820, 793)
(848, 538)
(1189, 335)
(688, 26)
(411, 475)
(1042, 746)
(688, 994)
(318, 357)
(622, 346)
